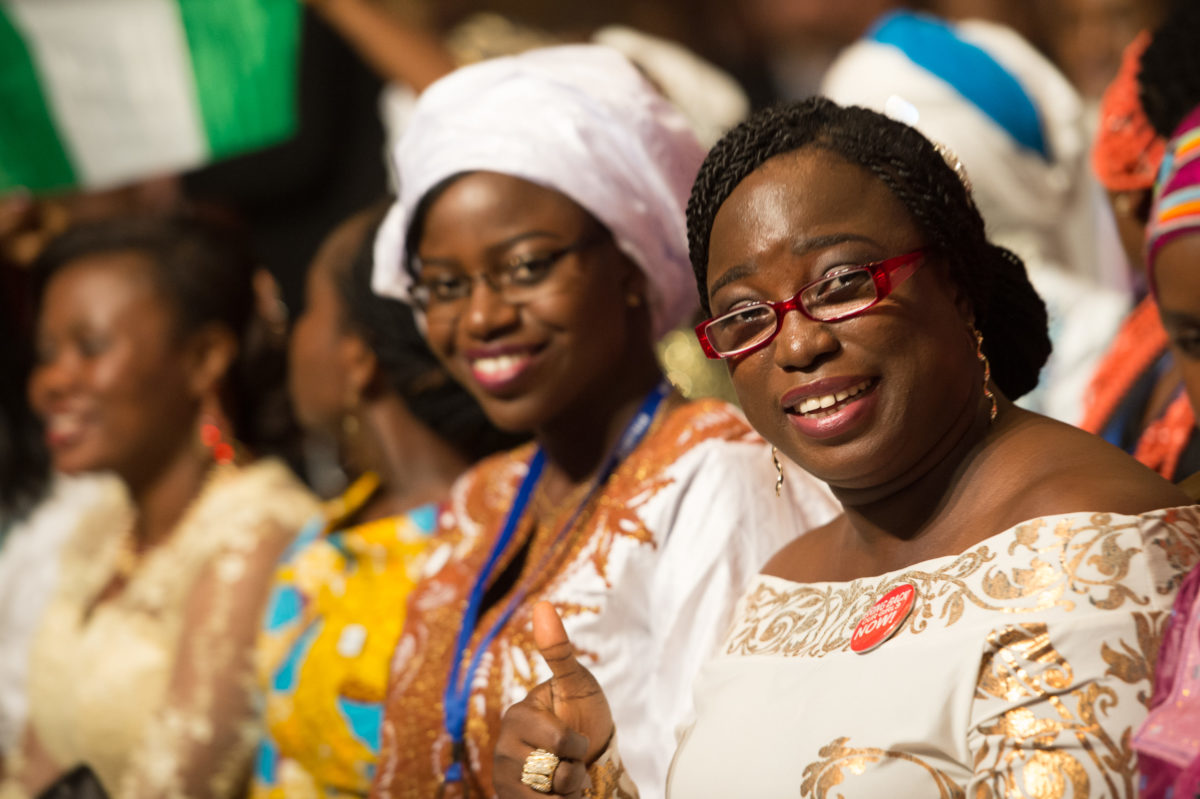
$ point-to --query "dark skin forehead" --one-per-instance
(802, 202)
(528, 212)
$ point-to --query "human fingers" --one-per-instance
(528, 728)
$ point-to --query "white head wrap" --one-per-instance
(578, 119)
(1047, 209)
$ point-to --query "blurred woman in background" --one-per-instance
(141, 670)
(1168, 744)
(361, 373)
(1019, 129)
(39, 509)
(1136, 399)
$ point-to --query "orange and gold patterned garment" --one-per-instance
(646, 583)
(1021, 671)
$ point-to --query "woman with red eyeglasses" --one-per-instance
(983, 619)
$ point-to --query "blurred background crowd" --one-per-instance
(211, 279)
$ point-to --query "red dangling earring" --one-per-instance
(213, 438)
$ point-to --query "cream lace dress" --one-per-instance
(153, 688)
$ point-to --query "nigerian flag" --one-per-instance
(95, 93)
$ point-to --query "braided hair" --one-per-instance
(406, 364)
(1169, 79)
(1008, 312)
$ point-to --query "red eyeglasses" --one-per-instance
(837, 296)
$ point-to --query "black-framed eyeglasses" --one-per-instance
(517, 281)
(842, 294)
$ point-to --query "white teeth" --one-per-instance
(499, 367)
(811, 404)
(63, 423)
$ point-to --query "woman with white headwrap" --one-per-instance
(1019, 129)
(539, 231)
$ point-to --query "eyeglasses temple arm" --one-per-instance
(902, 270)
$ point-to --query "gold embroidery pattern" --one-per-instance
(1181, 552)
(1078, 559)
(821, 777)
(1136, 665)
(609, 778)
(1036, 755)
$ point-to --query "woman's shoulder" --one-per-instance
(1052, 468)
(494, 479)
(484, 492)
(702, 431)
(243, 505)
(1110, 557)
(705, 419)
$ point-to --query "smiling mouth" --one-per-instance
(63, 427)
(829, 404)
(498, 370)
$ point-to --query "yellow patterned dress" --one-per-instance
(335, 612)
(1021, 671)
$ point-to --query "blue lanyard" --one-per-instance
(458, 689)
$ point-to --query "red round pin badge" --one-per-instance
(883, 619)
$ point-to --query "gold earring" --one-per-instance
(778, 471)
(987, 372)
(633, 300)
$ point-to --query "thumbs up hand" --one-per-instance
(566, 716)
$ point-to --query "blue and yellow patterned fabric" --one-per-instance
(335, 613)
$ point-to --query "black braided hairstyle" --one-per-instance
(1008, 312)
(1169, 78)
(405, 362)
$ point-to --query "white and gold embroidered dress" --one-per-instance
(1021, 671)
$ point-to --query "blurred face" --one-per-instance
(112, 381)
(563, 345)
(887, 385)
(1177, 282)
(319, 346)
(1092, 34)
(813, 22)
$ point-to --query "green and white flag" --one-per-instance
(96, 93)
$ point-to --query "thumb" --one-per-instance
(571, 681)
(575, 696)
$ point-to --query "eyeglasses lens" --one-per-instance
(832, 298)
(742, 329)
(839, 295)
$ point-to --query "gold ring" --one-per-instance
(538, 771)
